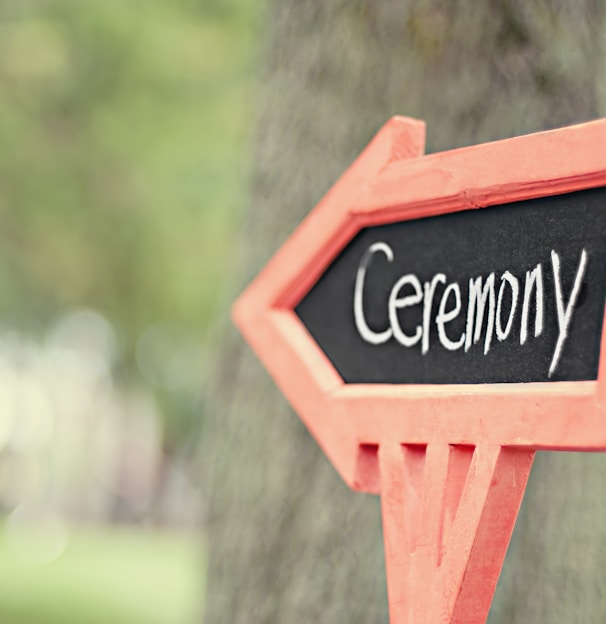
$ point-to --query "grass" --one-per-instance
(101, 576)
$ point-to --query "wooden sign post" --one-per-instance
(434, 321)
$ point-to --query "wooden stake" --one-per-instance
(448, 514)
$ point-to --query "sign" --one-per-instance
(434, 321)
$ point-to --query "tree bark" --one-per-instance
(288, 542)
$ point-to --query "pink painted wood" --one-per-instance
(450, 462)
(448, 515)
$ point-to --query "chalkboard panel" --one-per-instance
(509, 293)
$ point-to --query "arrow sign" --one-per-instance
(434, 321)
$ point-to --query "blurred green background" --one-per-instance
(123, 134)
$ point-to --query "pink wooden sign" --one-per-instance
(434, 321)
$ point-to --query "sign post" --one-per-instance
(434, 321)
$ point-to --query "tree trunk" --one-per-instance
(288, 542)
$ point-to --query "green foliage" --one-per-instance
(121, 125)
(122, 577)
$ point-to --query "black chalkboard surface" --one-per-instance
(509, 293)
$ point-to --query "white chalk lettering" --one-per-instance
(534, 279)
(444, 317)
(396, 303)
(430, 289)
(478, 296)
(507, 278)
(565, 312)
(486, 313)
(375, 338)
